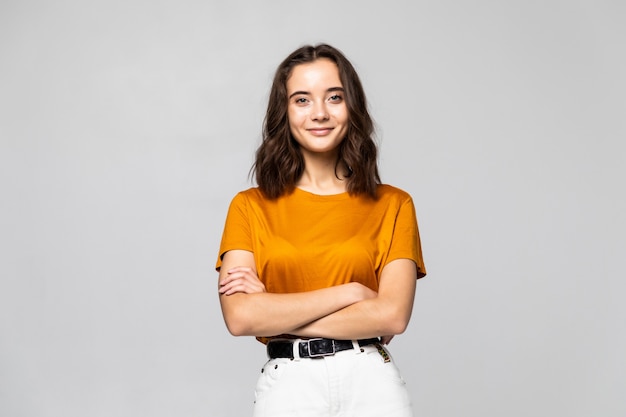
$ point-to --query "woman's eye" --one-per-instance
(301, 100)
(335, 97)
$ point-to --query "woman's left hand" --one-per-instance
(241, 280)
(386, 339)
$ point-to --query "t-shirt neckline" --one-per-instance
(327, 197)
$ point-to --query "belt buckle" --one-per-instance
(319, 352)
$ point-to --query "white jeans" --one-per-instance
(351, 383)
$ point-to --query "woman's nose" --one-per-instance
(319, 112)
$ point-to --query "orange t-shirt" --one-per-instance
(303, 241)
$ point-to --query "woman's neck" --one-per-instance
(322, 176)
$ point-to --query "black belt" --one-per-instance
(312, 348)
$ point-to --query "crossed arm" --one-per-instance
(348, 311)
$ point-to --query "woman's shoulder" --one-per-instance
(386, 191)
(251, 194)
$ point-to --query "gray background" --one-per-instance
(127, 126)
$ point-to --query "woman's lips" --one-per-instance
(320, 131)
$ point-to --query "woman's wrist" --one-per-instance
(359, 292)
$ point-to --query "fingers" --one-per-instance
(240, 280)
(241, 285)
(386, 339)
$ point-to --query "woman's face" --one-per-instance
(317, 112)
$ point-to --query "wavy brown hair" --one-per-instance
(279, 163)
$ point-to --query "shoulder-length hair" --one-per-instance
(279, 163)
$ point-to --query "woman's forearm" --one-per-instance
(386, 314)
(267, 314)
(366, 319)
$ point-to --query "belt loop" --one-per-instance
(296, 349)
(357, 348)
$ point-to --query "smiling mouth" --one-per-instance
(320, 131)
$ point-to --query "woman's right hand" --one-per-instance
(241, 279)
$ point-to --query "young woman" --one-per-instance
(320, 261)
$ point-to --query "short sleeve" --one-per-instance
(237, 233)
(405, 241)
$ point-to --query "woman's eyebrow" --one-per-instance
(296, 93)
(306, 93)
